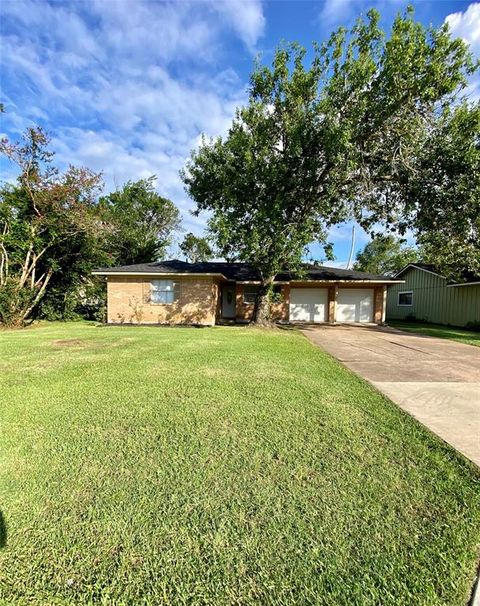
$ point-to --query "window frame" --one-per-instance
(277, 295)
(250, 287)
(175, 285)
(405, 292)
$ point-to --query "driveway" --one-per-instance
(435, 380)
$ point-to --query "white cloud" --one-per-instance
(245, 16)
(466, 25)
(124, 87)
(145, 32)
(337, 11)
(343, 233)
(337, 264)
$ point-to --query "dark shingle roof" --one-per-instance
(240, 272)
(320, 272)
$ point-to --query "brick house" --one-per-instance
(177, 292)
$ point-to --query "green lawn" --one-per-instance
(469, 337)
(219, 466)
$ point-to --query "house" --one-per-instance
(176, 292)
(428, 296)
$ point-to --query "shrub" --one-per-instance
(13, 302)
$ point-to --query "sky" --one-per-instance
(127, 87)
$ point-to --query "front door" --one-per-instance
(228, 301)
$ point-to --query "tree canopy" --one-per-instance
(321, 143)
(443, 193)
(196, 248)
(54, 230)
(45, 220)
(385, 255)
(372, 127)
(141, 222)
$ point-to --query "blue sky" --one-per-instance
(126, 87)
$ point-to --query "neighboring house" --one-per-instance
(176, 292)
(427, 295)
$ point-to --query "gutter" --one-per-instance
(463, 284)
(215, 275)
(351, 281)
(157, 273)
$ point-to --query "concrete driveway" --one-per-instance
(435, 380)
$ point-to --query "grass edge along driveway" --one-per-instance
(462, 335)
(226, 465)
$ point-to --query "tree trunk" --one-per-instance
(261, 311)
(39, 294)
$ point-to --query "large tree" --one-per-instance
(141, 222)
(385, 255)
(195, 248)
(42, 219)
(318, 144)
(443, 193)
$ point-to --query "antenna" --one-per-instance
(351, 248)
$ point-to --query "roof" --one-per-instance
(467, 278)
(239, 272)
(423, 266)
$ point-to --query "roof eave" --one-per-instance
(415, 266)
(157, 273)
(150, 274)
(463, 284)
(349, 281)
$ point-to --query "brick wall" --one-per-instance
(378, 305)
(198, 302)
(128, 301)
(332, 303)
(244, 311)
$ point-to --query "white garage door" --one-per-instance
(309, 305)
(355, 305)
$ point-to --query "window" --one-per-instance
(277, 294)
(250, 294)
(164, 292)
(405, 298)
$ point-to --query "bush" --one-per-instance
(13, 303)
(92, 302)
(84, 301)
(58, 305)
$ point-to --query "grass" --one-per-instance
(469, 337)
(217, 466)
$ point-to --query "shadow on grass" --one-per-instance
(3, 531)
(150, 325)
(289, 327)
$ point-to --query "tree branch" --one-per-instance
(39, 295)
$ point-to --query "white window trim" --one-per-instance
(405, 292)
(174, 290)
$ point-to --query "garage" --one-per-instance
(355, 305)
(309, 305)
